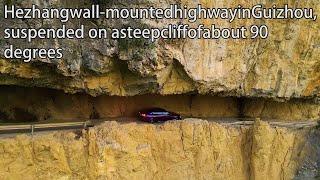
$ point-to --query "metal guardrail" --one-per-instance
(87, 124)
(33, 127)
(303, 124)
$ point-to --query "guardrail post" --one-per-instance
(85, 125)
(32, 129)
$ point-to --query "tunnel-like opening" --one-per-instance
(22, 104)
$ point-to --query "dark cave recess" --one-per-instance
(27, 104)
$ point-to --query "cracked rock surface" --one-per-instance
(188, 149)
(284, 66)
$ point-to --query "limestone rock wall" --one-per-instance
(189, 149)
(286, 65)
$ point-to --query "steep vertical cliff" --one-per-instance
(190, 149)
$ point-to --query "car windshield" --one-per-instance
(159, 113)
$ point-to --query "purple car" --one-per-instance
(158, 115)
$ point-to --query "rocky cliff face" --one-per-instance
(197, 78)
(286, 65)
(189, 149)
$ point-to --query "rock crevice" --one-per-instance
(192, 148)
